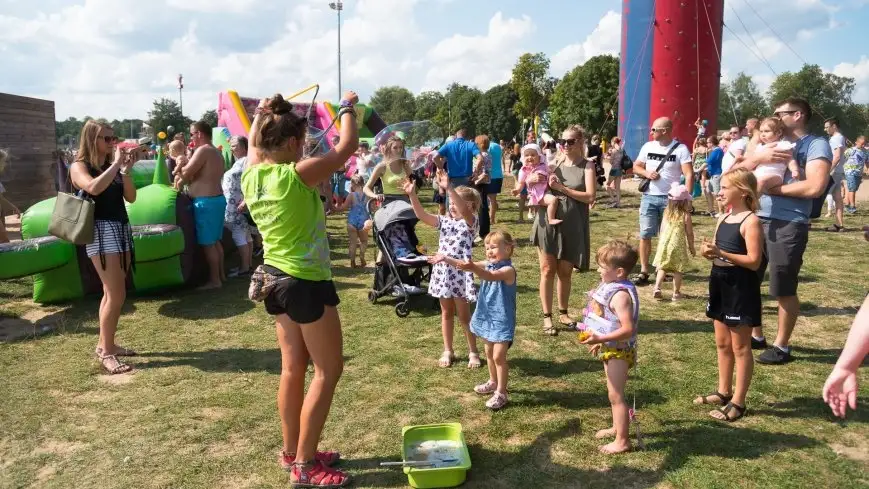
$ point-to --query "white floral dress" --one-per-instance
(456, 241)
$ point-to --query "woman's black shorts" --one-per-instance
(304, 301)
(734, 296)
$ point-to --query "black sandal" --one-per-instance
(563, 312)
(729, 408)
(723, 400)
(550, 330)
(641, 278)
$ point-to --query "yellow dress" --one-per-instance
(672, 253)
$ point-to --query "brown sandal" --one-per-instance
(118, 366)
(549, 330)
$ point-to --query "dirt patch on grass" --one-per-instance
(234, 445)
(59, 447)
(34, 322)
(117, 379)
(854, 447)
(43, 475)
(240, 482)
(213, 413)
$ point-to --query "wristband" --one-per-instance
(122, 171)
(346, 110)
(346, 103)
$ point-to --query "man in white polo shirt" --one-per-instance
(654, 200)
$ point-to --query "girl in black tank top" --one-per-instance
(734, 293)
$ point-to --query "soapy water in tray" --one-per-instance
(436, 451)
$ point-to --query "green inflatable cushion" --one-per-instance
(23, 258)
(154, 242)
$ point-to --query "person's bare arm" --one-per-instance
(767, 155)
(312, 171)
(4, 202)
(688, 171)
(837, 157)
(129, 186)
(794, 169)
(421, 214)
(689, 234)
(590, 187)
(815, 184)
(368, 190)
(640, 169)
(503, 274)
(94, 186)
(623, 306)
(197, 161)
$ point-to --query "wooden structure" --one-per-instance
(27, 131)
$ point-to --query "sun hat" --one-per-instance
(679, 192)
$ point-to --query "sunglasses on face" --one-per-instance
(109, 139)
(781, 113)
(658, 129)
(567, 142)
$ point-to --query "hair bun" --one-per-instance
(278, 106)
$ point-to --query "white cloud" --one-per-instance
(604, 39)
(859, 71)
(480, 61)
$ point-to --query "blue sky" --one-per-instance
(112, 58)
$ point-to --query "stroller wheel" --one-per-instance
(402, 309)
(372, 297)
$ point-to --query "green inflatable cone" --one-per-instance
(161, 172)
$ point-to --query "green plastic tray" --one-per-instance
(427, 478)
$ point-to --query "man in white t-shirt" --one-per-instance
(837, 173)
(735, 150)
(654, 200)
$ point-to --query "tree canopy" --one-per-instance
(394, 104)
(588, 96)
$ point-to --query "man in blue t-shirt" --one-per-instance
(785, 214)
(497, 179)
(458, 157)
(713, 172)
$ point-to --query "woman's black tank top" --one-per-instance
(109, 205)
(728, 238)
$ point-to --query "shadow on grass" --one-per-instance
(531, 367)
(533, 464)
(806, 407)
(224, 360)
(580, 400)
(220, 306)
(714, 439)
(661, 326)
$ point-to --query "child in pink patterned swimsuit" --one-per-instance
(534, 162)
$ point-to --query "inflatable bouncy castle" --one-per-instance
(166, 254)
(235, 113)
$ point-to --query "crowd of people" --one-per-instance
(763, 185)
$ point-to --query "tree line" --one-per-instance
(165, 113)
(829, 95)
(586, 95)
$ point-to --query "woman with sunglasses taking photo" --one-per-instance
(107, 180)
(568, 245)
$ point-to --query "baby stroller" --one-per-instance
(401, 272)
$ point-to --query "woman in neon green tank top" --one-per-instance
(280, 189)
(392, 172)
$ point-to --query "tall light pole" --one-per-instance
(338, 6)
(180, 97)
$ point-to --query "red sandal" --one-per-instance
(327, 458)
(317, 475)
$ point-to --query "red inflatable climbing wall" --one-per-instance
(685, 64)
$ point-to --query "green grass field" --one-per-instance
(200, 409)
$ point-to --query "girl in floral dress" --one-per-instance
(453, 287)
(677, 239)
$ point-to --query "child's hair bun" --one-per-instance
(278, 106)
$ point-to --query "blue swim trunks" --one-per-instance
(208, 214)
